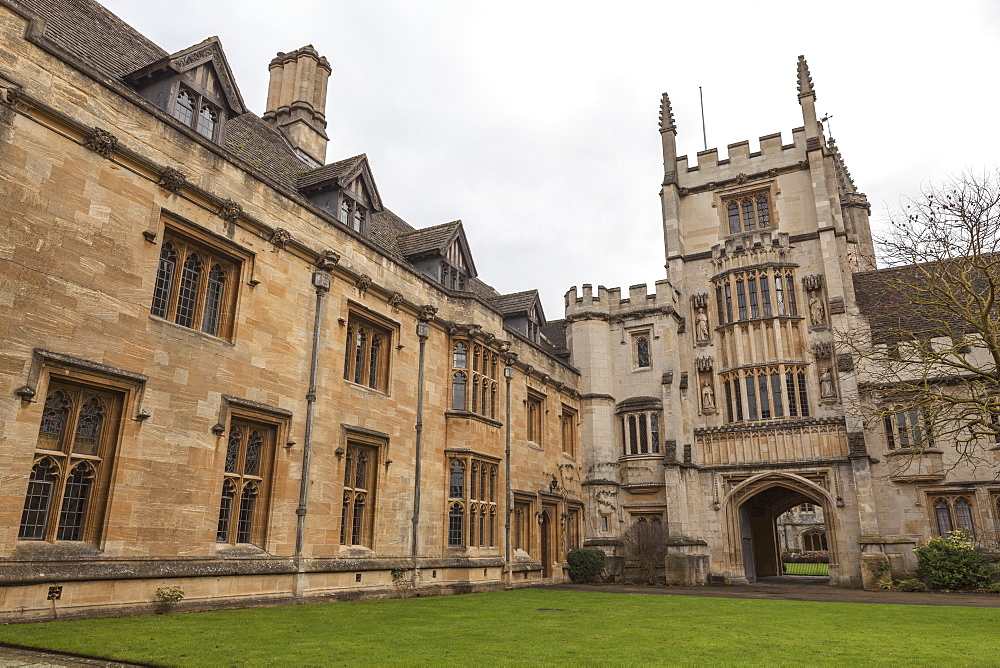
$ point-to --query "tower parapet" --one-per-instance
(741, 165)
(609, 303)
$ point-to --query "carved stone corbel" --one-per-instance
(281, 237)
(327, 260)
(229, 211)
(172, 180)
(427, 313)
(101, 142)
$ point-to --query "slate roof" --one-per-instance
(93, 34)
(428, 239)
(898, 302)
(261, 146)
(334, 170)
(554, 332)
(515, 302)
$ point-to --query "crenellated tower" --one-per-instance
(717, 402)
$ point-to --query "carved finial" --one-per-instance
(805, 79)
(666, 115)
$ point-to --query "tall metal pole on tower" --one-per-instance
(704, 136)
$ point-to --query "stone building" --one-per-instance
(229, 367)
(725, 397)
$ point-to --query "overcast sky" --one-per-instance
(535, 123)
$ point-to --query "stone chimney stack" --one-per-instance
(296, 100)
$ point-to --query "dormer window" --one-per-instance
(352, 213)
(194, 111)
(452, 278)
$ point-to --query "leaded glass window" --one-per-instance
(201, 295)
(367, 360)
(358, 512)
(249, 453)
(77, 436)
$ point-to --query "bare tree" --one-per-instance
(645, 544)
(929, 365)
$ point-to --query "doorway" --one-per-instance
(755, 542)
(543, 534)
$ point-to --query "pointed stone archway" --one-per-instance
(752, 509)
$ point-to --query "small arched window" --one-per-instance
(88, 427)
(642, 351)
(225, 511)
(184, 108)
(41, 484)
(74, 505)
(456, 525)
(459, 356)
(456, 487)
(458, 392)
(164, 280)
(53, 421)
(207, 120)
(188, 299)
(213, 300)
(763, 212)
(245, 522)
(733, 211)
(943, 514)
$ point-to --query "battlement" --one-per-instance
(741, 162)
(609, 301)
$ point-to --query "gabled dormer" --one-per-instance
(442, 253)
(346, 190)
(195, 86)
(522, 312)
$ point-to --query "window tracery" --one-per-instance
(753, 289)
(77, 438)
(472, 502)
(357, 517)
(640, 432)
(195, 111)
(953, 512)
(766, 393)
(748, 212)
(246, 480)
(474, 386)
(202, 294)
(366, 359)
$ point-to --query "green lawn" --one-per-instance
(538, 627)
(807, 569)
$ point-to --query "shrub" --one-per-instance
(912, 584)
(993, 587)
(585, 565)
(953, 562)
(169, 594)
(645, 547)
(796, 557)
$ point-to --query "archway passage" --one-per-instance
(758, 523)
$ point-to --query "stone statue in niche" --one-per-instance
(826, 390)
(817, 312)
(701, 325)
(707, 397)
